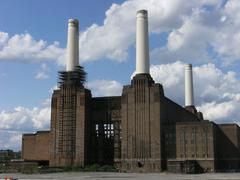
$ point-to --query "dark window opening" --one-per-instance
(140, 164)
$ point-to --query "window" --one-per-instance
(97, 130)
(108, 130)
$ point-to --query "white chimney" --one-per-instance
(142, 47)
(72, 45)
(189, 100)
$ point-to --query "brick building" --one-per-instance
(35, 147)
(141, 130)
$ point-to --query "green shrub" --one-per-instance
(108, 168)
(67, 168)
(77, 168)
(90, 168)
(93, 168)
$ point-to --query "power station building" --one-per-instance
(140, 131)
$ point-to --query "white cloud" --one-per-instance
(112, 39)
(221, 111)
(25, 119)
(204, 35)
(43, 73)
(198, 31)
(10, 140)
(171, 76)
(22, 120)
(46, 102)
(231, 10)
(55, 87)
(105, 87)
(190, 42)
(23, 47)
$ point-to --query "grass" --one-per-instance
(90, 168)
(33, 169)
(29, 170)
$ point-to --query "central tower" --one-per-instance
(141, 101)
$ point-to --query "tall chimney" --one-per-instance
(72, 45)
(189, 100)
(142, 47)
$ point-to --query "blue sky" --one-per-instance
(33, 38)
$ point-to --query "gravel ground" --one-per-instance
(124, 176)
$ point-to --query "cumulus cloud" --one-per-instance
(203, 36)
(171, 76)
(117, 33)
(105, 87)
(46, 102)
(199, 31)
(221, 111)
(26, 119)
(23, 47)
(10, 140)
(22, 120)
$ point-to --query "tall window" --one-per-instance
(97, 130)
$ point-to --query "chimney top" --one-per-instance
(142, 13)
(73, 22)
(188, 66)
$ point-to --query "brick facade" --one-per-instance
(35, 147)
